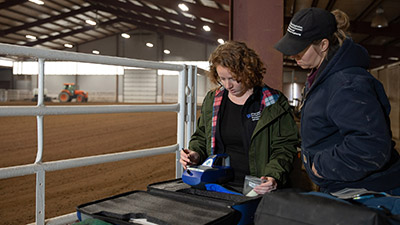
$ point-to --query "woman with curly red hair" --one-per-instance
(245, 119)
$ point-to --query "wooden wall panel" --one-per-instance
(389, 76)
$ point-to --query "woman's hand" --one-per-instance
(268, 184)
(315, 171)
(188, 158)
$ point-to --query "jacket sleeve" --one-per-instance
(284, 142)
(198, 141)
(356, 110)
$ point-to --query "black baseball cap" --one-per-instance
(306, 26)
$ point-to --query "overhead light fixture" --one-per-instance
(394, 58)
(167, 52)
(96, 52)
(37, 2)
(221, 41)
(375, 56)
(150, 45)
(30, 37)
(68, 45)
(125, 35)
(91, 22)
(206, 28)
(379, 20)
(183, 7)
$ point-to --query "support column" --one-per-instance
(259, 24)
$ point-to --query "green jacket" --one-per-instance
(272, 145)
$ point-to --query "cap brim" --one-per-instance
(291, 45)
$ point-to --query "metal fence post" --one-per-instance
(194, 99)
(181, 118)
(189, 102)
(40, 197)
(40, 175)
(39, 118)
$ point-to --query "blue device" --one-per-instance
(216, 169)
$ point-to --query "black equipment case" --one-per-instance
(294, 208)
(245, 206)
(171, 203)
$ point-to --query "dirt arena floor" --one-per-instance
(71, 136)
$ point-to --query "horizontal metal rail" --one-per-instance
(69, 110)
(15, 171)
(84, 57)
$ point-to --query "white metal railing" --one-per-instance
(185, 108)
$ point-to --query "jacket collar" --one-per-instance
(272, 105)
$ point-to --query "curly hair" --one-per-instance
(343, 24)
(244, 64)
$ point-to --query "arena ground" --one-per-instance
(77, 136)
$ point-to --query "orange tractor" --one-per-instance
(70, 92)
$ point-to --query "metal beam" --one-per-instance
(222, 30)
(371, 7)
(393, 30)
(63, 35)
(330, 5)
(47, 20)
(149, 23)
(198, 10)
(8, 4)
(385, 52)
(314, 3)
(151, 27)
(225, 2)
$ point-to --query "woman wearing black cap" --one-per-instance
(345, 126)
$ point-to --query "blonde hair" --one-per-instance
(343, 24)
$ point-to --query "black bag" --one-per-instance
(172, 202)
(292, 208)
(164, 209)
(244, 206)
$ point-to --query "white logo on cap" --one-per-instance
(294, 29)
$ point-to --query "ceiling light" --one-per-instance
(125, 35)
(394, 58)
(150, 45)
(221, 41)
(183, 7)
(37, 2)
(376, 56)
(166, 51)
(68, 45)
(96, 52)
(91, 22)
(30, 37)
(206, 28)
(379, 20)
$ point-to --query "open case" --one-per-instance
(169, 203)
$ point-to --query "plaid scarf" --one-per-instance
(217, 103)
(269, 97)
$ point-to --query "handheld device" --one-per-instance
(216, 169)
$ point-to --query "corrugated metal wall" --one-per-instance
(140, 85)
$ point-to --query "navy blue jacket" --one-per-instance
(345, 126)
